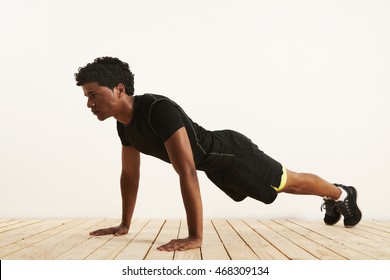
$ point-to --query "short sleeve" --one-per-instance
(165, 118)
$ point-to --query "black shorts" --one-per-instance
(249, 173)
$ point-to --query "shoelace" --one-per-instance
(329, 206)
(345, 206)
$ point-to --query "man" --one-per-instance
(157, 126)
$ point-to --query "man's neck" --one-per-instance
(126, 111)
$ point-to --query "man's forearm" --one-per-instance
(193, 205)
(129, 190)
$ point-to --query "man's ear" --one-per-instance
(121, 89)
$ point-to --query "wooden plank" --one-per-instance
(192, 254)
(288, 248)
(368, 242)
(325, 249)
(381, 249)
(169, 231)
(384, 236)
(310, 246)
(13, 240)
(377, 237)
(235, 246)
(261, 247)
(110, 249)
(345, 236)
(46, 248)
(305, 246)
(376, 225)
(44, 231)
(385, 225)
(139, 247)
(80, 237)
(74, 237)
(212, 247)
(87, 244)
(324, 239)
(15, 224)
(236, 239)
(341, 248)
(7, 222)
(21, 233)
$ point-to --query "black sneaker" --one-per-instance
(332, 214)
(349, 208)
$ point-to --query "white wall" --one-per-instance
(308, 81)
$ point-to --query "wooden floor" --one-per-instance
(223, 240)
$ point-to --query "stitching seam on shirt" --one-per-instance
(220, 154)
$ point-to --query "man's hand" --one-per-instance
(181, 244)
(118, 230)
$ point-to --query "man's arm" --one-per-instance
(129, 182)
(129, 189)
(180, 153)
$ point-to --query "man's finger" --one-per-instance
(167, 247)
(182, 248)
(100, 232)
(120, 232)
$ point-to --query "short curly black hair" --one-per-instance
(107, 71)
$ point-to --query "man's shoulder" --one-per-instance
(150, 97)
(150, 101)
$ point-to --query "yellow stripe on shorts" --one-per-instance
(283, 180)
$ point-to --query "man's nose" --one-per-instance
(90, 103)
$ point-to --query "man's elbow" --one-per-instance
(188, 173)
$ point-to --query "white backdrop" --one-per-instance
(308, 81)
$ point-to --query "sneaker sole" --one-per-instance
(332, 224)
(359, 213)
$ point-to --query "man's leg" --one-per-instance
(305, 183)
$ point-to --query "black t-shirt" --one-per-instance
(230, 159)
(157, 117)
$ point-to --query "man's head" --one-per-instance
(107, 72)
(106, 82)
